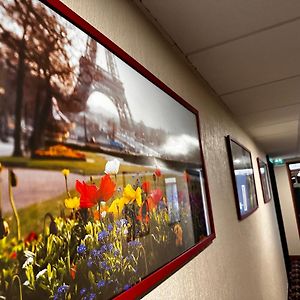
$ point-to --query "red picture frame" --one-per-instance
(161, 274)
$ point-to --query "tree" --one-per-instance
(19, 14)
(52, 64)
(40, 42)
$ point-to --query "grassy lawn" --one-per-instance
(95, 164)
(32, 217)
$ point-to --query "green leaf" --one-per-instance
(49, 272)
(91, 277)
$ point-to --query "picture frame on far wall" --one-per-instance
(242, 172)
(265, 180)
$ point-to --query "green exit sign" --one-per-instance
(277, 161)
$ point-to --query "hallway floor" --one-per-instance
(294, 280)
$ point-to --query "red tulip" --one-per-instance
(31, 237)
(157, 173)
(88, 194)
(146, 186)
(107, 188)
(154, 198)
(73, 270)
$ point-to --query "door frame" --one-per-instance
(279, 217)
(293, 193)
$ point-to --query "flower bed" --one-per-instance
(106, 239)
(59, 152)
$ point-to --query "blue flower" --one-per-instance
(134, 243)
(62, 289)
(90, 263)
(81, 249)
(126, 287)
(118, 223)
(101, 235)
(104, 265)
(123, 222)
(82, 291)
(116, 253)
(101, 283)
(92, 296)
(94, 253)
(103, 248)
(110, 247)
(110, 227)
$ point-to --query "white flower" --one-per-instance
(29, 253)
(103, 214)
(29, 261)
(112, 167)
(125, 231)
(41, 273)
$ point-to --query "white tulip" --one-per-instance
(29, 261)
(112, 167)
(41, 273)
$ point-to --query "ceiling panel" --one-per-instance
(278, 149)
(261, 58)
(248, 52)
(271, 116)
(275, 95)
(279, 145)
(195, 24)
(287, 129)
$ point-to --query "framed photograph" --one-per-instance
(242, 177)
(265, 180)
(103, 182)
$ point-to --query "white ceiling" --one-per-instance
(249, 53)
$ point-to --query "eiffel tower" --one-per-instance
(93, 77)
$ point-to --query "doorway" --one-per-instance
(294, 176)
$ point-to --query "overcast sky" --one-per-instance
(146, 101)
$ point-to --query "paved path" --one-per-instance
(35, 186)
(6, 149)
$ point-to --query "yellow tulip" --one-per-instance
(138, 196)
(129, 195)
(116, 207)
(129, 192)
(72, 202)
(65, 172)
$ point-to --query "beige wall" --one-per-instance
(245, 260)
(287, 208)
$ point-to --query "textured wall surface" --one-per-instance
(287, 208)
(245, 260)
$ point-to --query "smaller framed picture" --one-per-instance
(265, 180)
(242, 178)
